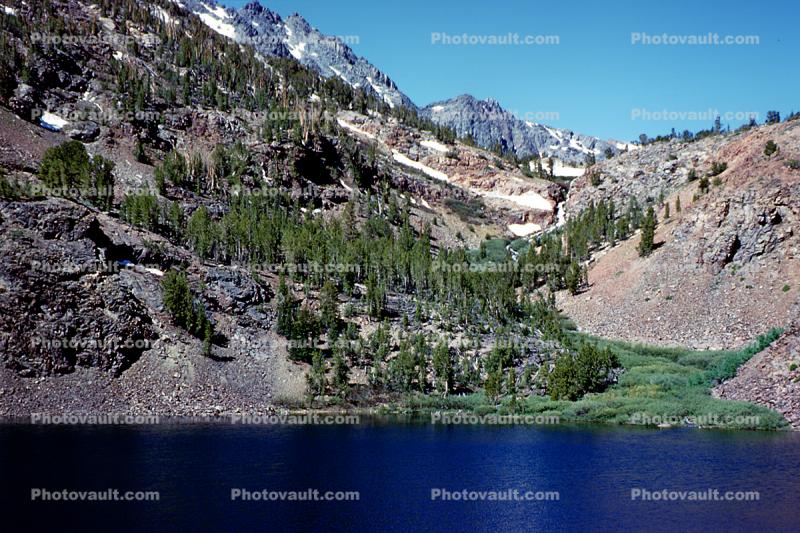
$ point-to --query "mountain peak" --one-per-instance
(490, 124)
(294, 37)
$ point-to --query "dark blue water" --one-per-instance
(394, 467)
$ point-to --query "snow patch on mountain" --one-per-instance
(523, 230)
(215, 17)
(489, 124)
(435, 145)
(425, 169)
(530, 199)
(52, 121)
(354, 128)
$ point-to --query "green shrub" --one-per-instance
(718, 168)
(703, 185)
(8, 190)
(770, 148)
(471, 211)
(793, 164)
(726, 367)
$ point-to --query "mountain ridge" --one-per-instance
(488, 123)
(295, 37)
(484, 120)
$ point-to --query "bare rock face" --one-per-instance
(643, 173)
(84, 316)
(749, 224)
(87, 131)
(230, 289)
(24, 100)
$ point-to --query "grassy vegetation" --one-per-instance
(470, 212)
(659, 385)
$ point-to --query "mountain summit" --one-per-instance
(488, 124)
(294, 37)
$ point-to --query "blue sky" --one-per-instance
(594, 81)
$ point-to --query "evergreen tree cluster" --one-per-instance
(68, 170)
(588, 371)
(187, 312)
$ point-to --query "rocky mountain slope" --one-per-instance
(771, 378)
(295, 38)
(245, 174)
(726, 266)
(489, 124)
(524, 205)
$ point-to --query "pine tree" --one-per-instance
(286, 309)
(773, 117)
(339, 380)
(304, 335)
(573, 277)
(511, 389)
(493, 384)
(443, 367)
(208, 336)
(178, 298)
(376, 297)
(138, 152)
(316, 380)
(185, 311)
(402, 368)
(329, 309)
(648, 233)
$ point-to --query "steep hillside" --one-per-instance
(192, 225)
(521, 204)
(217, 230)
(726, 267)
(294, 38)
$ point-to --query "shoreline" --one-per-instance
(359, 416)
